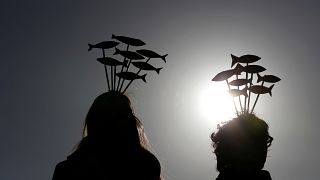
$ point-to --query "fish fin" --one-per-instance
(234, 60)
(244, 92)
(116, 52)
(143, 77)
(90, 46)
(270, 88)
(164, 58)
(259, 78)
(113, 36)
(158, 70)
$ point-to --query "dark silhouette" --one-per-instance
(241, 147)
(114, 145)
(239, 77)
(139, 58)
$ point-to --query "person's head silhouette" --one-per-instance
(113, 144)
(110, 119)
(241, 147)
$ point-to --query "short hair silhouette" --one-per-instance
(113, 144)
(241, 146)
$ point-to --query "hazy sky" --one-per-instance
(49, 79)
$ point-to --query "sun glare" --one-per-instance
(215, 103)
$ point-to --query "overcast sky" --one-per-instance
(49, 79)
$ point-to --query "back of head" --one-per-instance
(242, 144)
(111, 118)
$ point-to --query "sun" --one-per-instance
(215, 103)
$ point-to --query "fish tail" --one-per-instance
(113, 36)
(230, 92)
(164, 57)
(238, 69)
(119, 75)
(259, 78)
(234, 60)
(116, 52)
(158, 70)
(143, 77)
(270, 88)
(90, 46)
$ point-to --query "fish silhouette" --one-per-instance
(112, 62)
(151, 54)
(146, 66)
(258, 89)
(253, 69)
(128, 40)
(128, 54)
(131, 76)
(248, 58)
(224, 75)
(240, 82)
(103, 45)
(236, 92)
(268, 78)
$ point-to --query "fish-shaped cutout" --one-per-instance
(236, 92)
(224, 75)
(128, 54)
(112, 62)
(103, 45)
(240, 82)
(131, 76)
(128, 40)
(146, 66)
(258, 89)
(268, 78)
(151, 54)
(253, 69)
(248, 58)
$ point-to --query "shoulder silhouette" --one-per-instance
(241, 147)
(114, 145)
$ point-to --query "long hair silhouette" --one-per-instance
(241, 147)
(113, 145)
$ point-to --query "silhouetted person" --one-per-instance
(241, 147)
(114, 145)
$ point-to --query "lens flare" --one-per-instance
(215, 103)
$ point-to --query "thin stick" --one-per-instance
(126, 71)
(132, 80)
(255, 102)
(111, 77)
(122, 68)
(234, 103)
(249, 94)
(239, 97)
(106, 70)
(245, 98)
(114, 77)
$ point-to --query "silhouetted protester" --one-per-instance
(241, 147)
(114, 145)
